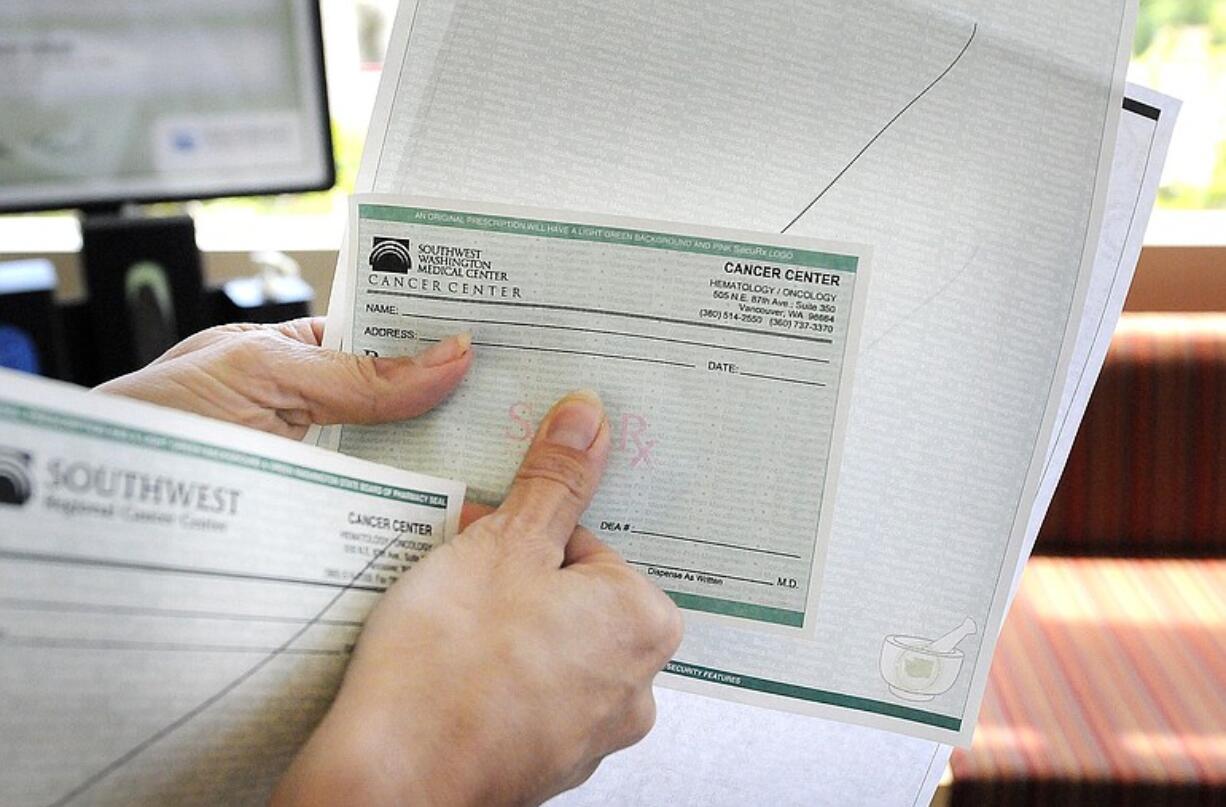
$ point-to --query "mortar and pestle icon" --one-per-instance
(919, 669)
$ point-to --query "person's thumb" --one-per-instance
(559, 474)
(334, 387)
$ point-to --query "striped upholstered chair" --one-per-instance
(1109, 683)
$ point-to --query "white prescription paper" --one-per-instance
(695, 756)
(968, 144)
(723, 357)
(178, 596)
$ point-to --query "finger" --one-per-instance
(585, 547)
(472, 511)
(203, 339)
(308, 330)
(334, 387)
(560, 472)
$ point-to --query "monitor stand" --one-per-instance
(145, 283)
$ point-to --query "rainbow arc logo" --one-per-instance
(15, 483)
(391, 255)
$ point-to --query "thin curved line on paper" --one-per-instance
(948, 68)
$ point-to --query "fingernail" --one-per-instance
(448, 350)
(575, 420)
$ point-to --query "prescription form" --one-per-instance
(683, 331)
(179, 596)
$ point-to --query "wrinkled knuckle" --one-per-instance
(510, 529)
(253, 343)
(561, 466)
(256, 336)
(509, 524)
(365, 368)
(367, 385)
(244, 353)
(361, 369)
(500, 520)
(220, 331)
(229, 332)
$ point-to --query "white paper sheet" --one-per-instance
(178, 596)
(691, 758)
(968, 144)
(704, 344)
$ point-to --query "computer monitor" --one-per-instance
(113, 101)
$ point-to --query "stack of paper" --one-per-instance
(925, 334)
(179, 597)
(969, 147)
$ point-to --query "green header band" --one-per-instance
(713, 605)
(797, 692)
(61, 421)
(598, 234)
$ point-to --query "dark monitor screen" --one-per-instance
(112, 101)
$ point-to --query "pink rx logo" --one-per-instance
(630, 432)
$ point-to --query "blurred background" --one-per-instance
(1180, 49)
(263, 84)
(263, 73)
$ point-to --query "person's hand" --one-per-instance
(507, 663)
(278, 379)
